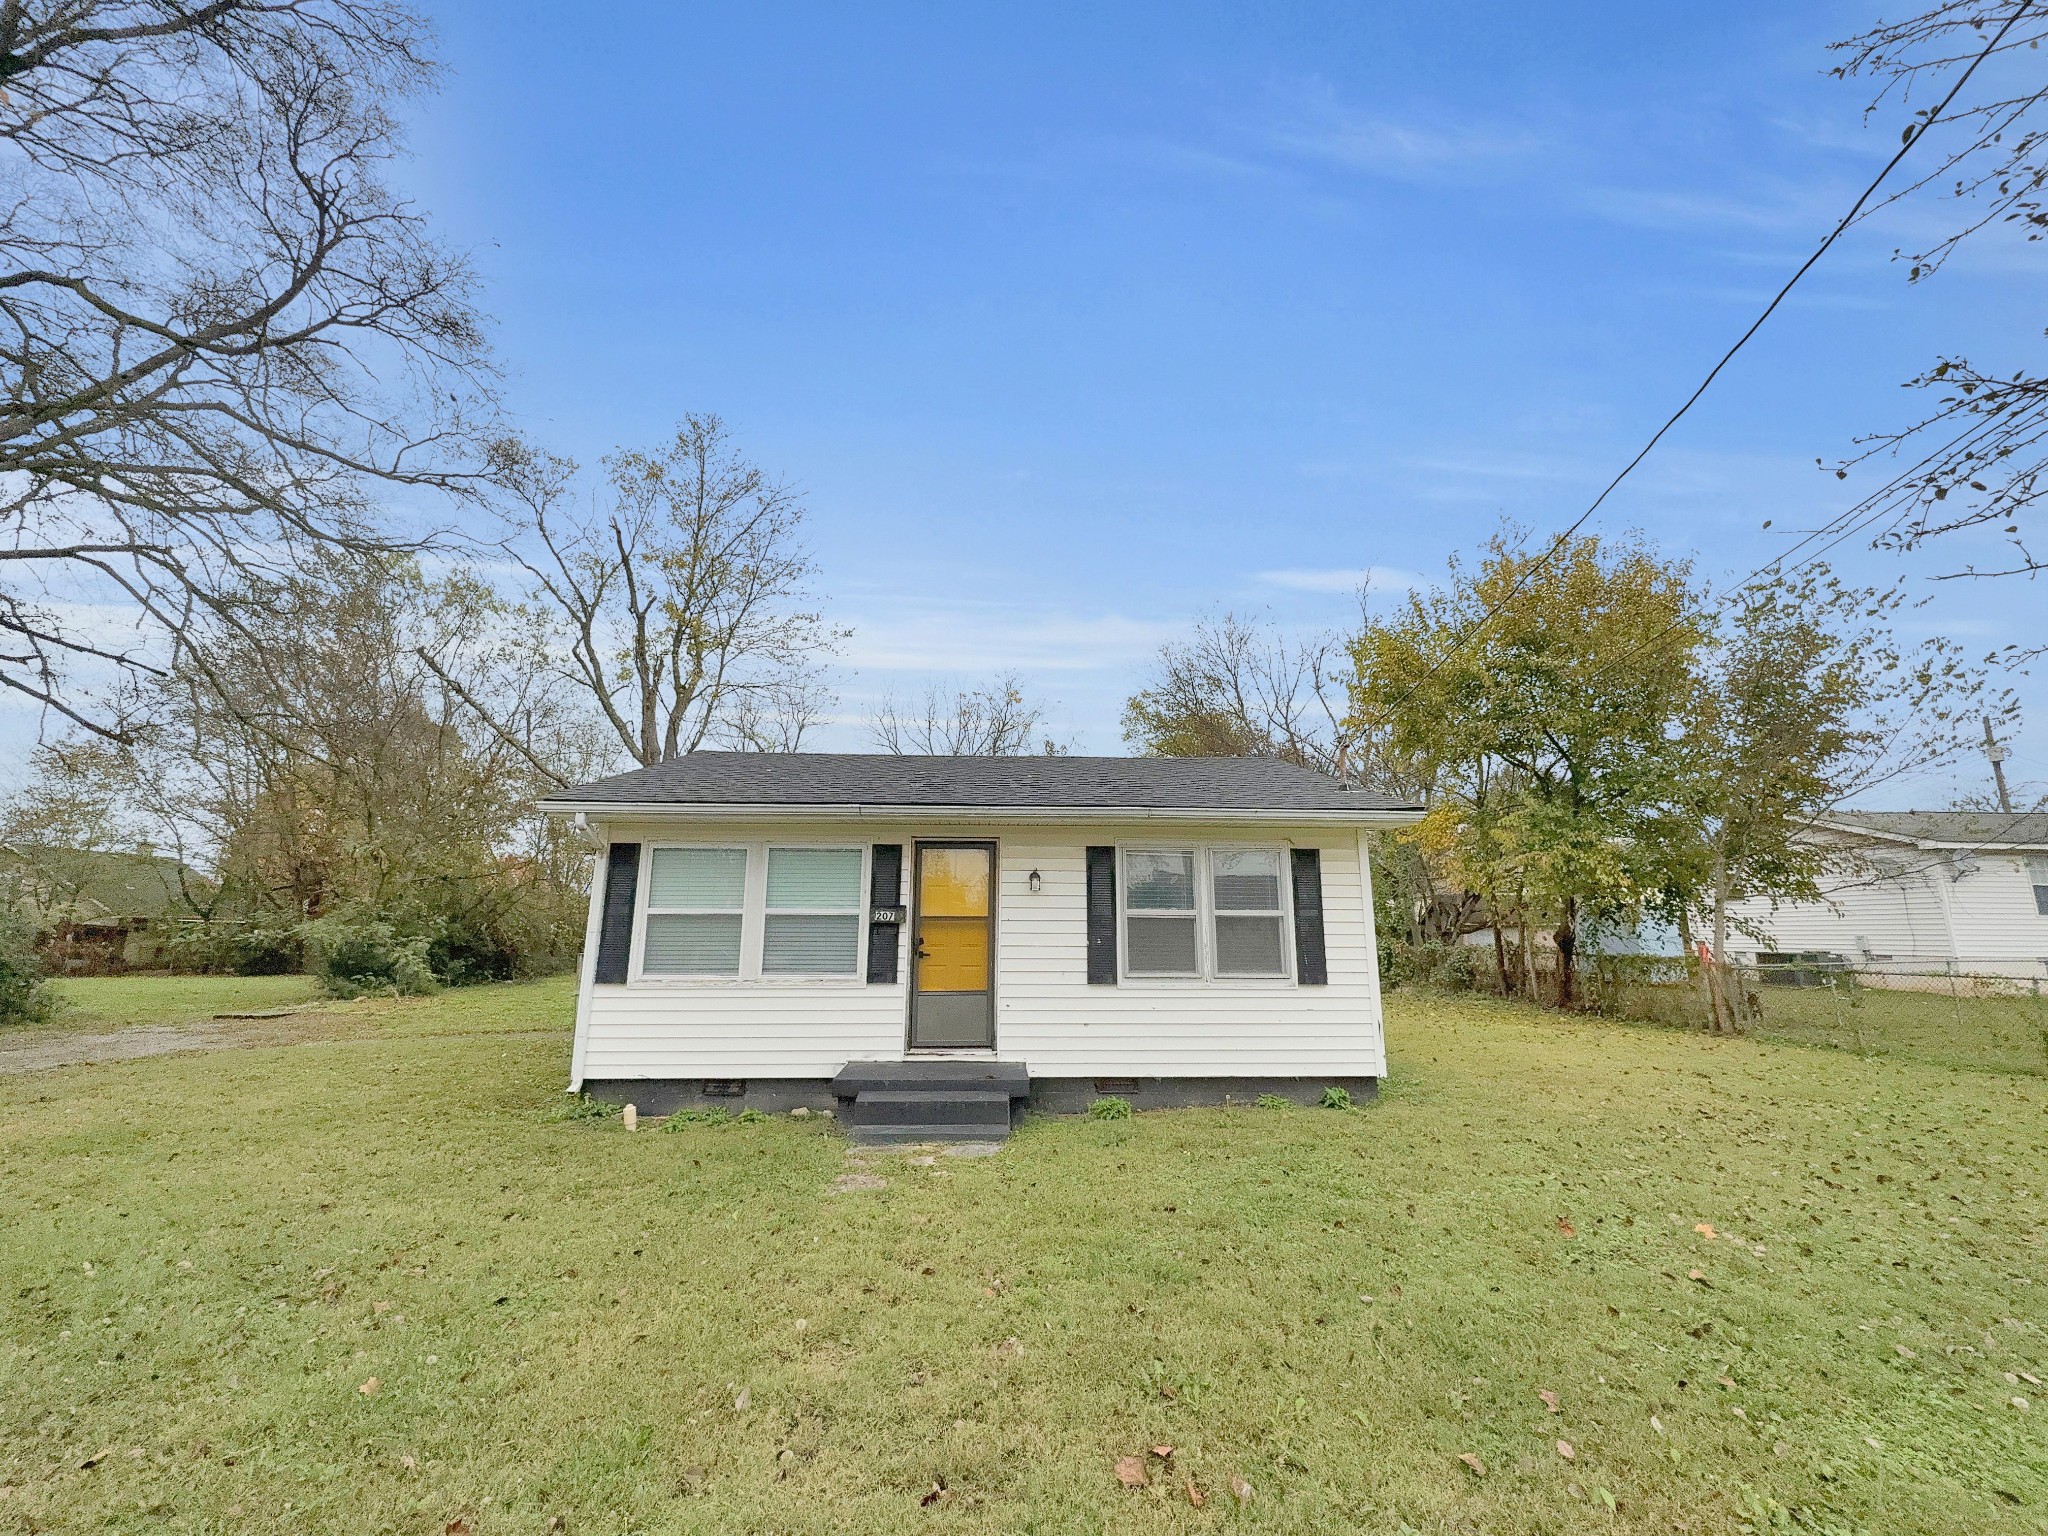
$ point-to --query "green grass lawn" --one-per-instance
(366, 1285)
(115, 1002)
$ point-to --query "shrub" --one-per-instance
(1111, 1108)
(752, 1117)
(356, 957)
(24, 997)
(1336, 1096)
(578, 1107)
(227, 948)
(1273, 1101)
(683, 1119)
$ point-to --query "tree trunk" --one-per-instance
(1567, 937)
(1500, 944)
(1693, 969)
(1727, 1014)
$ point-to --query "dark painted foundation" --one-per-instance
(1049, 1095)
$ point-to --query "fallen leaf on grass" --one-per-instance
(938, 1493)
(456, 1527)
(1697, 1274)
(370, 1387)
(1130, 1471)
(1657, 1424)
(744, 1401)
(1566, 1228)
(1564, 1449)
(1726, 1381)
(558, 1523)
(410, 1463)
(1705, 1229)
(1240, 1490)
(1905, 1353)
(1162, 1451)
(1478, 1467)
(1550, 1400)
(1009, 1349)
(2021, 1403)
(1195, 1495)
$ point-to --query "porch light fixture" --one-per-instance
(1036, 882)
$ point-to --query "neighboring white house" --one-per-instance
(927, 943)
(1920, 890)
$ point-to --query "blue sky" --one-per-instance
(1076, 321)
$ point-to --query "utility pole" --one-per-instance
(1995, 750)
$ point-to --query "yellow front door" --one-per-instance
(951, 1003)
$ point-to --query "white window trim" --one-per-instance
(1205, 918)
(753, 918)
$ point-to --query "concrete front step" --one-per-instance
(858, 1077)
(913, 1107)
(883, 1102)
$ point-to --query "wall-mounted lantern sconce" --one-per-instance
(1036, 882)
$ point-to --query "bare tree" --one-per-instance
(1240, 688)
(220, 331)
(996, 721)
(1977, 457)
(679, 601)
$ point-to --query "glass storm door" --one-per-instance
(951, 1002)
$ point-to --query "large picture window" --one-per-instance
(753, 912)
(1198, 912)
(696, 901)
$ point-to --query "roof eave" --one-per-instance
(1396, 816)
(1932, 844)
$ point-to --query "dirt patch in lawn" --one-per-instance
(40, 1050)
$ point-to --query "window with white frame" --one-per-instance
(696, 912)
(1244, 888)
(2037, 871)
(1196, 912)
(755, 912)
(812, 912)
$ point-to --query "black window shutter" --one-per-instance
(885, 889)
(615, 928)
(1310, 968)
(1101, 917)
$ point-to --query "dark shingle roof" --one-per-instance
(879, 781)
(1984, 829)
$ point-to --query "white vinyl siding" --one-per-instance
(1914, 908)
(1047, 1016)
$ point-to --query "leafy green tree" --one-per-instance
(1538, 694)
(1803, 698)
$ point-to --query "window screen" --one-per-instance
(1245, 899)
(1160, 937)
(2037, 871)
(812, 923)
(695, 898)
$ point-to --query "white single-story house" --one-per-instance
(1917, 892)
(927, 943)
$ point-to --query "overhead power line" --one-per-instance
(1911, 137)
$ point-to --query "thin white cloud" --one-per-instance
(976, 638)
(1380, 578)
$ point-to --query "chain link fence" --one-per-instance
(1950, 1010)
